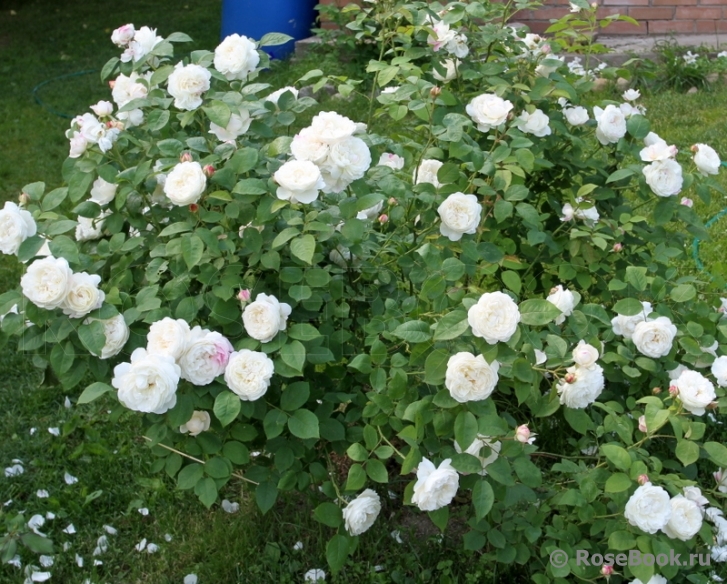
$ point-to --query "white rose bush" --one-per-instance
(489, 322)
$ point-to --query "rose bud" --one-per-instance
(435, 91)
(383, 218)
(393, 201)
(570, 378)
(194, 207)
(185, 157)
(112, 83)
(673, 390)
(24, 199)
(656, 391)
(243, 295)
(694, 148)
(643, 479)
(208, 170)
(687, 202)
(545, 49)
(523, 434)
(607, 570)
(642, 424)
(617, 247)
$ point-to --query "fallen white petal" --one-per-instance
(396, 534)
(40, 576)
(42, 494)
(46, 561)
(70, 479)
(152, 548)
(102, 544)
(110, 530)
(15, 561)
(190, 579)
(33, 431)
(144, 511)
(66, 546)
(67, 403)
(70, 530)
(50, 515)
(97, 563)
(79, 561)
(14, 471)
(55, 431)
(139, 547)
(8, 503)
(230, 507)
(298, 546)
(168, 537)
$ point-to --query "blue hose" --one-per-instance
(47, 81)
(695, 243)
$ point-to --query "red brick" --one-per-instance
(713, 2)
(673, 2)
(547, 13)
(663, 13)
(721, 26)
(625, 2)
(538, 27)
(667, 26)
(697, 12)
(706, 26)
(604, 12)
(625, 28)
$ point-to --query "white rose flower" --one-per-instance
(123, 35)
(236, 57)
(237, 126)
(440, 36)
(653, 338)
(371, 212)
(148, 383)
(348, 160)
(549, 65)
(719, 370)
(458, 46)
(427, 172)
(391, 160)
(198, 423)
(576, 116)
(116, 333)
(450, 67)
(564, 300)
(695, 494)
(83, 295)
(435, 487)
(306, 145)
(653, 138)
(585, 387)
(686, 519)
(89, 229)
(470, 378)
(330, 127)
(131, 118)
(186, 85)
(649, 508)
(611, 124)
(47, 282)
(664, 177)
(460, 215)
(265, 317)
(625, 325)
(103, 192)
(275, 95)
(589, 215)
(16, 225)
(185, 183)
(168, 337)
(299, 180)
(475, 449)
(631, 94)
(78, 145)
(206, 356)
(360, 514)
(535, 123)
(488, 111)
(706, 159)
(696, 392)
(248, 374)
(494, 318)
(103, 108)
(585, 355)
(657, 151)
(145, 39)
(127, 89)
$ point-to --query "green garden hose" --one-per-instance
(48, 108)
(695, 243)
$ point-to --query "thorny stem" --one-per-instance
(234, 474)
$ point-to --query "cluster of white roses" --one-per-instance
(328, 157)
(442, 36)
(137, 44)
(584, 381)
(87, 130)
(651, 509)
(50, 283)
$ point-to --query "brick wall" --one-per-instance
(656, 17)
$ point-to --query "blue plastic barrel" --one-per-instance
(255, 18)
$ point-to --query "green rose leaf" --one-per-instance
(227, 407)
(537, 312)
(303, 424)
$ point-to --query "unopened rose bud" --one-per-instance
(117, 124)
(721, 309)
(393, 201)
(570, 378)
(185, 157)
(642, 424)
(617, 247)
(607, 570)
(687, 202)
(656, 391)
(594, 5)
(545, 49)
(194, 207)
(243, 295)
(112, 83)
(435, 91)
(694, 148)
(24, 199)
(522, 433)
(208, 170)
(383, 218)
(673, 390)
(643, 479)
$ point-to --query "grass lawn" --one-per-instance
(49, 41)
